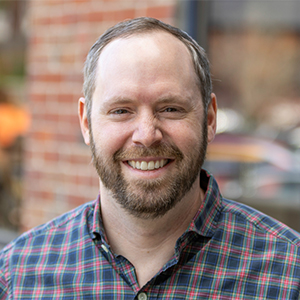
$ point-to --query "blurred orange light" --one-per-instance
(14, 121)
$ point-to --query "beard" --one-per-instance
(151, 198)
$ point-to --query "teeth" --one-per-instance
(144, 166)
(151, 165)
(157, 164)
(162, 163)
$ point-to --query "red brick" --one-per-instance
(47, 77)
(34, 174)
(51, 156)
(45, 195)
(65, 98)
(79, 159)
(70, 119)
(38, 97)
(35, 40)
(160, 12)
(38, 21)
(93, 16)
(95, 181)
(75, 200)
(42, 135)
(124, 14)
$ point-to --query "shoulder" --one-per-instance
(59, 226)
(256, 224)
(44, 243)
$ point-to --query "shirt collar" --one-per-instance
(205, 221)
(95, 221)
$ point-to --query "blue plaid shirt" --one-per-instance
(229, 251)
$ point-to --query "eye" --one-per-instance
(173, 112)
(120, 111)
(170, 109)
(120, 114)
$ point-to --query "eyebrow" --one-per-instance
(177, 99)
(165, 99)
(174, 99)
(117, 100)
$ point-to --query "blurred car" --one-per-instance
(258, 172)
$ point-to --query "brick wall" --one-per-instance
(59, 175)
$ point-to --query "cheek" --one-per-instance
(110, 137)
(187, 136)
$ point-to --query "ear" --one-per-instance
(84, 124)
(212, 118)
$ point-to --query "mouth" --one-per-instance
(148, 165)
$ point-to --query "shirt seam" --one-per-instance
(265, 230)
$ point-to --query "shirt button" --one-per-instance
(142, 296)
(104, 248)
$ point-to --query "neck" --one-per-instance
(147, 240)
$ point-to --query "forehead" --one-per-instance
(155, 34)
(156, 45)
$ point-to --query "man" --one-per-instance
(160, 228)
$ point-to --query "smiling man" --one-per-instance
(147, 98)
(159, 228)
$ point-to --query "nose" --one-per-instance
(147, 131)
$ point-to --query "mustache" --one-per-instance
(161, 150)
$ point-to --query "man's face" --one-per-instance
(149, 133)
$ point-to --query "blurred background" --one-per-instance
(254, 49)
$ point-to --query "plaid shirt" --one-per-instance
(229, 251)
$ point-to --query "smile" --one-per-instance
(148, 166)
